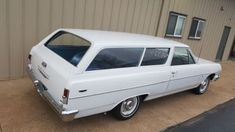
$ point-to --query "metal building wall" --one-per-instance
(214, 26)
(23, 23)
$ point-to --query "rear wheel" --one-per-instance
(202, 88)
(126, 109)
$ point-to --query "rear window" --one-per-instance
(116, 58)
(155, 56)
(68, 46)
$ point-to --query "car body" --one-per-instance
(86, 72)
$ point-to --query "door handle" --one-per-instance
(173, 73)
(81, 91)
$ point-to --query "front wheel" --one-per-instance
(202, 88)
(126, 109)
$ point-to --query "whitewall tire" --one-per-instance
(202, 88)
(127, 108)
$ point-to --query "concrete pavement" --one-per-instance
(21, 109)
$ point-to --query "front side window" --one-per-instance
(182, 56)
(196, 28)
(155, 56)
(175, 25)
(116, 58)
(68, 46)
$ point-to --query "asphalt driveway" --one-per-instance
(218, 119)
(21, 109)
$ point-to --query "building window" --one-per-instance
(175, 25)
(196, 28)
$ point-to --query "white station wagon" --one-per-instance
(85, 72)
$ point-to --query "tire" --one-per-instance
(202, 88)
(127, 108)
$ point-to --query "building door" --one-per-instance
(223, 42)
(232, 51)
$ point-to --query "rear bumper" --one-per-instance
(66, 115)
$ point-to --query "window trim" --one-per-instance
(199, 21)
(142, 57)
(178, 15)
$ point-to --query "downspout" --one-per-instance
(159, 18)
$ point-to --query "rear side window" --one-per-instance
(155, 56)
(116, 58)
(182, 57)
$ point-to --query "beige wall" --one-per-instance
(214, 26)
(23, 23)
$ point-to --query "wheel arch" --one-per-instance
(142, 98)
(211, 76)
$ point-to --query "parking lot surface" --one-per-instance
(21, 109)
(218, 119)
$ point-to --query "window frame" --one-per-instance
(199, 21)
(168, 61)
(178, 15)
(189, 53)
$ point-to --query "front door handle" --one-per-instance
(173, 73)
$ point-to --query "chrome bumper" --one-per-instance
(66, 115)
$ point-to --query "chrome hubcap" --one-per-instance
(128, 106)
(203, 85)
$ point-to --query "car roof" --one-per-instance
(110, 38)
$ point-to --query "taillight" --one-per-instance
(65, 96)
(29, 59)
(66, 93)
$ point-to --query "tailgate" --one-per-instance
(51, 70)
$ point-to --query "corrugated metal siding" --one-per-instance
(24, 23)
(4, 46)
(213, 29)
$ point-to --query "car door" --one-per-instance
(155, 65)
(185, 74)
